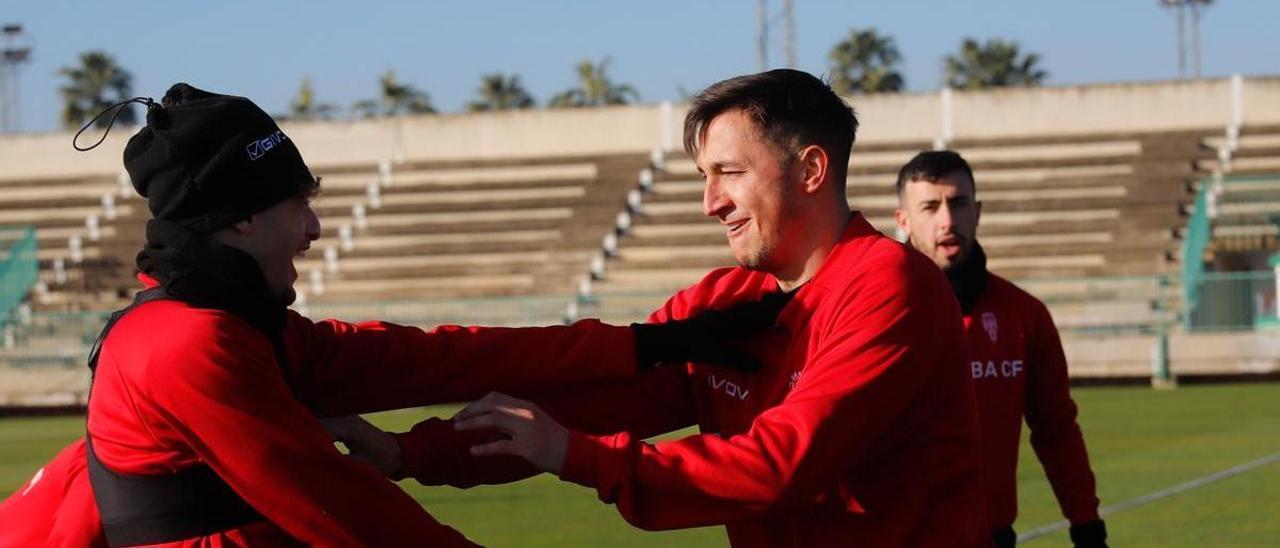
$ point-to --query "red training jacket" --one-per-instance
(1018, 368)
(55, 507)
(861, 430)
(177, 386)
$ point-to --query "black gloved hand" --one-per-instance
(1092, 534)
(1004, 538)
(708, 337)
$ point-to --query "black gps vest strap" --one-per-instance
(155, 509)
(139, 510)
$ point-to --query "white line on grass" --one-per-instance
(1163, 493)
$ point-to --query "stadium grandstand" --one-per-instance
(1146, 215)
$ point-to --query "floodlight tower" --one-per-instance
(1181, 8)
(1194, 7)
(762, 34)
(764, 20)
(15, 50)
(789, 32)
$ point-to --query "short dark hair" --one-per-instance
(310, 189)
(932, 165)
(792, 108)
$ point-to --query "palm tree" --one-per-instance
(498, 91)
(865, 62)
(394, 99)
(94, 84)
(996, 63)
(304, 105)
(595, 89)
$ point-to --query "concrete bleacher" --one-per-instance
(433, 231)
(455, 229)
(1256, 150)
(1245, 211)
(75, 219)
(1248, 215)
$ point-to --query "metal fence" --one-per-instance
(1233, 301)
(18, 268)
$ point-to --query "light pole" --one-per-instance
(15, 50)
(764, 20)
(1181, 7)
(1195, 7)
(762, 34)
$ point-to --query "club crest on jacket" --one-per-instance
(989, 323)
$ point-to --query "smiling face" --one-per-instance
(940, 218)
(274, 237)
(752, 190)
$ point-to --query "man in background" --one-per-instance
(1016, 358)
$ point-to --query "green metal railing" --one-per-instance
(1194, 241)
(18, 268)
(1200, 232)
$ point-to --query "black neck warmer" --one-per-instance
(196, 269)
(969, 278)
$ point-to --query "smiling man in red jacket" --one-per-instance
(1016, 358)
(860, 430)
(202, 423)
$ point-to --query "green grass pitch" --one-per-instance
(1140, 441)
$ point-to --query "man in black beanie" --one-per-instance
(202, 422)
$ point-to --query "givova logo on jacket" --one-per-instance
(727, 386)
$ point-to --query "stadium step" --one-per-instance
(52, 215)
(461, 177)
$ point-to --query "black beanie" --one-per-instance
(206, 161)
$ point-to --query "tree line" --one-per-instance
(865, 61)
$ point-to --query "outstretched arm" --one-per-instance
(340, 368)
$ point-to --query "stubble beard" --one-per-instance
(767, 257)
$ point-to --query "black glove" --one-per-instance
(708, 337)
(1089, 535)
(1004, 538)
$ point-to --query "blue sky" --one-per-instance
(263, 49)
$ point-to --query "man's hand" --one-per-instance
(366, 443)
(534, 435)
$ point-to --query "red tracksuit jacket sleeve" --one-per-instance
(655, 402)
(858, 379)
(1051, 417)
(341, 368)
(230, 406)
